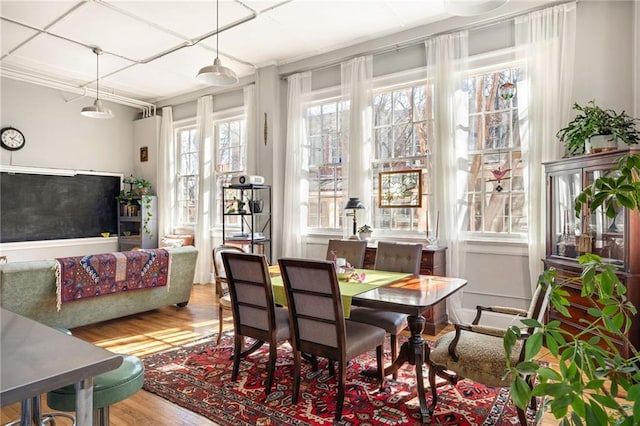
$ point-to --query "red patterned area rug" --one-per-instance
(198, 377)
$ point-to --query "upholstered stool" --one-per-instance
(108, 388)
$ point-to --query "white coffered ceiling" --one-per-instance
(154, 49)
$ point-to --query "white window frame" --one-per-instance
(331, 94)
(478, 65)
(390, 83)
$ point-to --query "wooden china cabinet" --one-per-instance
(616, 240)
(433, 262)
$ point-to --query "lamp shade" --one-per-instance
(217, 74)
(354, 203)
(97, 110)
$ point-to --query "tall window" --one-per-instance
(327, 131)
(495, 187)
(402, 140)
(187, 179)
(231, 158)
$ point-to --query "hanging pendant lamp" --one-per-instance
(217, 74)
(97, 110)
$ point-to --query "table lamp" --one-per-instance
(354, 204)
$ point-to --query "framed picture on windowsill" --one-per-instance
(400, 189)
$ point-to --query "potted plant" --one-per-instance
(143, 186)
(593, 384)
(595, 129)
(364, 232)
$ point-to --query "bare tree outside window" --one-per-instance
(402, 140)
(327, 133)
(187, 180)
(495, 187)
(231, 160)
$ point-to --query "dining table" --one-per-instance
(35, 359)
(397, 292)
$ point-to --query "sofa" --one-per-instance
(29, 289)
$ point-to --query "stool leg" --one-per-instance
(27, 412)
(101, 416)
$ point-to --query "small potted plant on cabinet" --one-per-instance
(364, 232)
(595, 129)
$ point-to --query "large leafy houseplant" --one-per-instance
(592, 120)
(593, 384)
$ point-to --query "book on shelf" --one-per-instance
(246, 236)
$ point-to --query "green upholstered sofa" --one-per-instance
(29, 289)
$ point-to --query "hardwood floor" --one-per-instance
(151, 332)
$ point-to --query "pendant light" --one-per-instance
(97, 110)
(217, 74)
(472, 7)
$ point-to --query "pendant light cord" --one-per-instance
(97, 52)
(217, 27)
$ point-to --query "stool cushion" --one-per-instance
(108, 388)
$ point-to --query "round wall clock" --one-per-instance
(11, 139)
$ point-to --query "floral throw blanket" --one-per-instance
(95, 275)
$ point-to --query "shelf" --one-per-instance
(253, 229)
(130, 218)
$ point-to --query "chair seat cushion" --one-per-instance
(482, 357)
(392, 322)
(108, 388)
(361, 338)
(282, 324)
(225, 301)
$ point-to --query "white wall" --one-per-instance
(58, 137)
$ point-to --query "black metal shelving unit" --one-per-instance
(246, 218)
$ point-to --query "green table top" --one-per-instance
(372, 279)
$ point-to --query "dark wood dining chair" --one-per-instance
(255, 314)
(395, 257)
(222, 288)
(318, 324)
(352, 250)
(477, 352)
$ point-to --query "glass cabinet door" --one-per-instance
(605, 235)
(565, 225)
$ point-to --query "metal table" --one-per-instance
(35, 359)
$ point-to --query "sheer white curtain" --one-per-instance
(545, 41)
(296, 183)
(166, 174)
(357, 88)
(447, 57)
(249, 93)
(204, 124)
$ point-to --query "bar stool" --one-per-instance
(108, 388)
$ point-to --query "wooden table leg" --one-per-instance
(413, 352)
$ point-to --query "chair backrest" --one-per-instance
(218, 267)
(539, 303)
(315, 307)
(352, 250)
(251, 294)
(398, 257)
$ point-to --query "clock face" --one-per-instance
(11, 139)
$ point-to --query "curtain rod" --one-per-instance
(417, 40)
